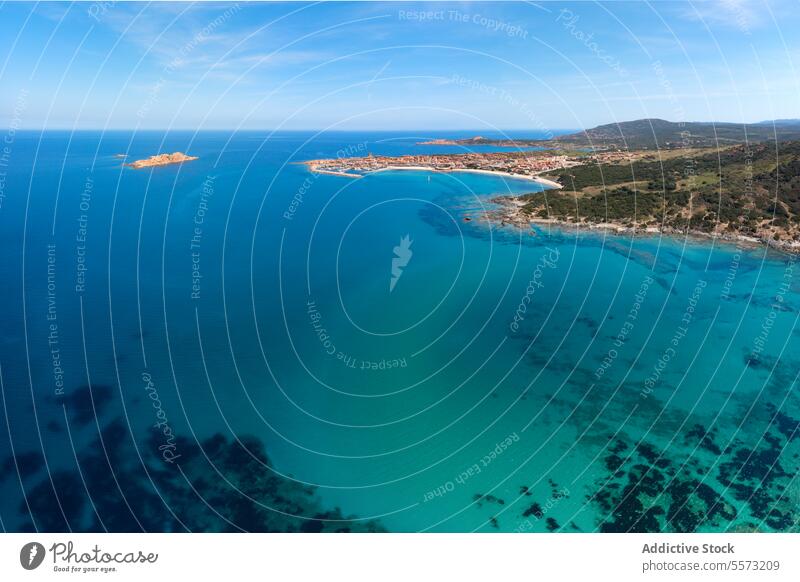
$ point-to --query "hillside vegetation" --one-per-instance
(751, 190)
(662, 134)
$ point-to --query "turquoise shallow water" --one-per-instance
(251, 366)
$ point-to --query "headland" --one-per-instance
(525, 165)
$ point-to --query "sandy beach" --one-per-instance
(544, 181)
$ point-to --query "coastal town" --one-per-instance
(516, 164)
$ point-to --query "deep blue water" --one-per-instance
(217, 346)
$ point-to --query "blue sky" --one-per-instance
(371, 65)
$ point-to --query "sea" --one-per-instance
(237, 344)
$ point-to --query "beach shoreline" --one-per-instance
(538, 179)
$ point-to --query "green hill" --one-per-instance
(662, 134)
(751, 190)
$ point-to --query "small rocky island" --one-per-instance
(162, 160)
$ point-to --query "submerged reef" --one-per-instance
(116, 484)
(745, 487)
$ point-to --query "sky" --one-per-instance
(395, 65)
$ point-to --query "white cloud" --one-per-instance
(741, 15)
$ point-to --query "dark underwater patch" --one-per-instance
(217, 485)
(86, 402)
(702, 484)
(648, 492)
(697, 435)
(28, 463)
(480, 498)
(535, 510)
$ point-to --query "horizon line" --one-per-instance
(382, 129)
(322, 130)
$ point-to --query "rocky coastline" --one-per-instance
(509, 212)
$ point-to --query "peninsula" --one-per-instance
(477, 140)
(162, 160)
(529, 165)
(716, 180)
